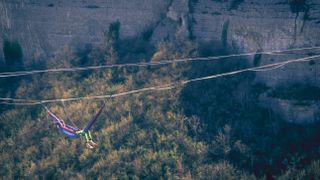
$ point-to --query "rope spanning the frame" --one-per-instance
(269, 69)
(157, 88)
(143, 64)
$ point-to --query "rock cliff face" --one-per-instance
(244, 25)
(251, 25)
(43, 27)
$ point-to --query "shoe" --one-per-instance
(89, 146)
(92, 143)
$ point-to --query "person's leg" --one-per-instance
(87, 136)
(90, 139)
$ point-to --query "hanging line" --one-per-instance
(143, 64)
(270, 68)
(154, 88)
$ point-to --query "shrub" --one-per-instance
(114, 31)
(12, 52)
(297, 6)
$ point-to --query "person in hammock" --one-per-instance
(74, 132)
(88, 138)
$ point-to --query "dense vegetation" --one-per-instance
(13, 55)
(206, 130)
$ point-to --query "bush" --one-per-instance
(12, 53)
(297, 6)
(114, 31)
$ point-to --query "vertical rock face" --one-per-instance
(46, 26)
(43, 27)
(293, 111)
(255, 25)
(244, 25)
(252, 25)
(175, 21)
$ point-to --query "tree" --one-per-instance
(12, 54)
